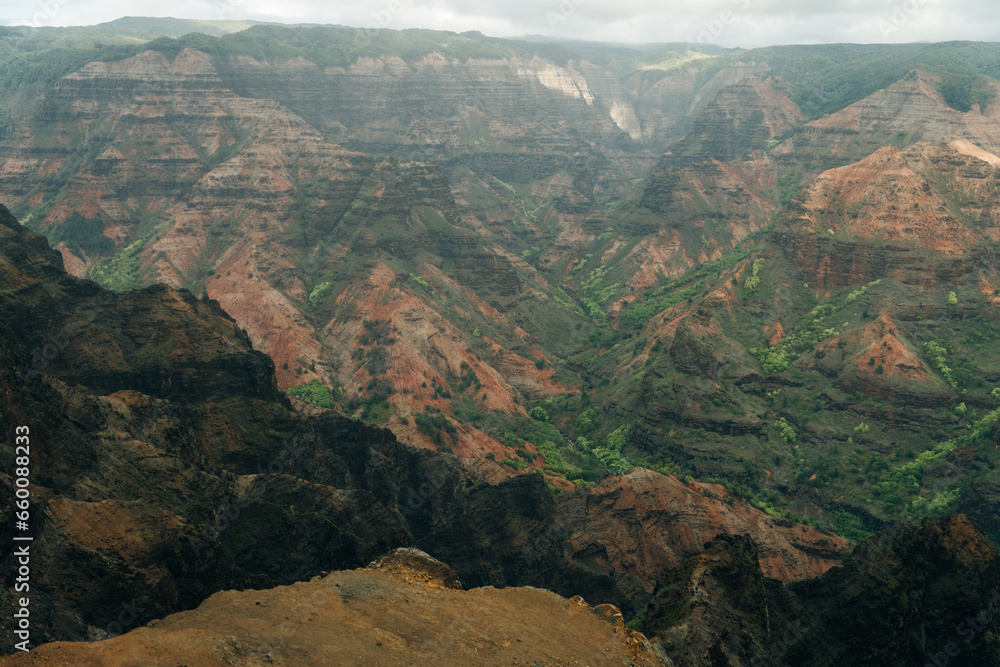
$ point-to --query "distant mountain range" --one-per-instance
(765, 279)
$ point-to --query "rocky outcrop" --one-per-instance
(890, 215)
(910, 110)
(669, 519)
(414, 566)
(737, 123)
(272, 217)
(915, 595)
(389, 620)
(878, 362)
(695, 212)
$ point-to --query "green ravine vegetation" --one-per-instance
(734, 370)
(316, 393)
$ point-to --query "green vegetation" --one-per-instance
(121, 270)
(788, 186)
(82, 234)
(961, 91)
(684, 399)
(824, 79)
(787, 431)
(316, 393)
(155, 354)
(815, 327)
(320, 293)
(672, 292)
(937, 356)
(849, 525)
(595, 293)
(610, 456)
(435, 425)
(753, 280)
(903, 482)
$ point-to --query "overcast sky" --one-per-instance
(745, 23)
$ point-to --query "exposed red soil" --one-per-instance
(396, 612)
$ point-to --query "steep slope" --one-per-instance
(708, 192)
(155, 160)
(846, 365)
(920, 594)
(261, 210)
(694, 213)
(670, 92)
(891, 207)
(739, 120)
(454, 234)
(167, 466)
(910, 110)
(176, 179)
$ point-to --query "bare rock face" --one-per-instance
(413, 565)
(912, 109)
(695, 212)
(879, 362)
(712, 609)
(669, 520)
(249, 181)
(913, 595)
(715, 608)
(890, 216)
(611, 541)
(738, 122)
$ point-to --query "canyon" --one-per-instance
(621, 324)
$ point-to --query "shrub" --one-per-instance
(540, 413)
(434, 425)
(787, 431)
(617, 439)
(754, 280)
(937, 353)
(316, 393)
(320, 293)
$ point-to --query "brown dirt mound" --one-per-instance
(374, 616)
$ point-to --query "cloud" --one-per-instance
(744, 23)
